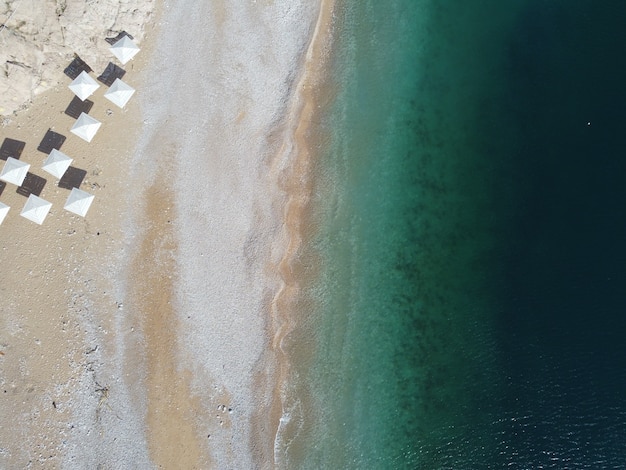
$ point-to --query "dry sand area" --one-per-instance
(143, 335)
(56, 279)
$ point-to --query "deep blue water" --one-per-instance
(472, 205)
(563, 300)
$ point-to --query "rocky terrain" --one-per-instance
(39, 39)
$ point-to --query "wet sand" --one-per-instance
(292, 306)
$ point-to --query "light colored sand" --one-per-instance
(150, 323)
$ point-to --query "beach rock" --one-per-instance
(39, 39)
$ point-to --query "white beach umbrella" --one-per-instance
(36, 209)
(14, 171)
(57, 163)
(119, 93)
(78, 202)
(124, 49)
(4, 210)
(83, 85)
(85, 127)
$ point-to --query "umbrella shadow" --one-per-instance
(111, 72)
(72, 178)
(2, 186)
(11, 148)
(32, 184)
(120, 35)
(75, 67)
(77, 106)
(52, 140)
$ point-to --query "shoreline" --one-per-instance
(213, 371)
(296, 180)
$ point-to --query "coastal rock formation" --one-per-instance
(39, 38)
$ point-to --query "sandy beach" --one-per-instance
(148, 334)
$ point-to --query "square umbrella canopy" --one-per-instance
(36, 209)
(57, 163)
(4, 210)
(78, 202)
(14, 171)
(85, 127)
(119, 93)
(124, 49)
(83, 86)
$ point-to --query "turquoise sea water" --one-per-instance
(471, 293)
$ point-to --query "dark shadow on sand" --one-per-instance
(111, 72)
(78, 106)
(72, 178)
(52, 140)
(120, 35)
(2, 186)
(77, 66)
(11, 148)
(32, 184)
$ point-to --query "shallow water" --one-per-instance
(471, 204)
